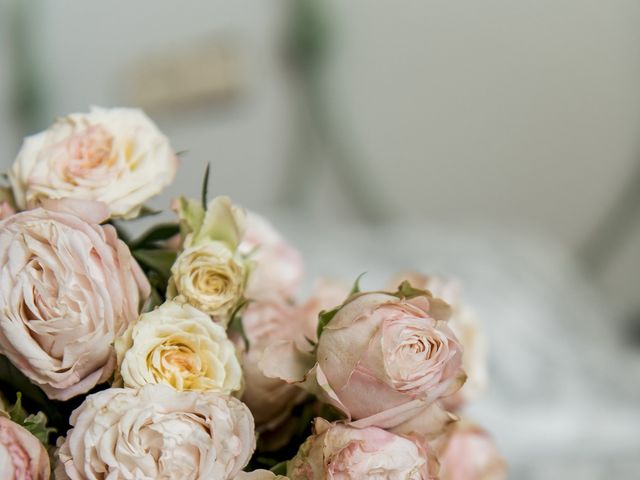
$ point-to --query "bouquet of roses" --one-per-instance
(184, 353)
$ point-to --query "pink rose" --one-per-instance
(382, 359)
(70, 287)
(270, 399)
(470, 454)
(465, 324)
(340, 452)
(277, 269)
(268, 322)
(22, 456)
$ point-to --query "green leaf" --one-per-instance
(236, 325)
(17, 413)
(325, 317)
(406, 291)
(159, 260)
(191, 214)
(16, 381)
(36, 424)
(280, 468)
(157, 233)
(356, 285)
(205, 186)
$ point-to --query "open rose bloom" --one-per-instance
(69, 288)
(156, 432)
(115, 156)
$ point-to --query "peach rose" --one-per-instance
(340, 452)
(116, 156)
(470, 454)
(382, 358)
(70, 287)
(22, 456)
(277, 266)
(157, 432)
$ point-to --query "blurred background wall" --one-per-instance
(521, 114)
(520, 117)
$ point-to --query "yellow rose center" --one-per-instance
(176, 364)
(211, 281)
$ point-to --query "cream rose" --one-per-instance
(210, 277)
(22, 456)
(178, 345)
(277, 266)
(116, 156)
(156, 432)
(341, 452)
(469, 453)
(382, 359)
(69, 288)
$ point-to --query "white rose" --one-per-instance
(179, 346)
(116, 156)
(210, 277)
(157, 433)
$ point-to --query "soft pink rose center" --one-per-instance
(414, 352)
(88, 151)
